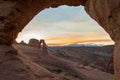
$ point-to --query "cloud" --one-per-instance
(63, 23)
(72, 38)
(63, 19)
(58, 14)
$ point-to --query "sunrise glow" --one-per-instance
(63, 26)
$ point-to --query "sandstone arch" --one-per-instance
(43, 45)
(15, 14)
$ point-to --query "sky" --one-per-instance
(63, 26)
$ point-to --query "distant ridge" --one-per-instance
(83, 45)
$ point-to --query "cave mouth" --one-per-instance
(68, 26)
(15, 14)
(63, 26)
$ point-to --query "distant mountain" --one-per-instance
(86, 45)
(75, 45)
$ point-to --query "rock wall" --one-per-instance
(34, 42)
(15, 14)
(107, 14)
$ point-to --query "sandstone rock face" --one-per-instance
(34, 42)
(40, 44)
(43, 45)
(15, 14)
(110, 65)
(117, 61)
(60, 65)
(17, 66)
(107, 14)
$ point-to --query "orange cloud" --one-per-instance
(69, 39)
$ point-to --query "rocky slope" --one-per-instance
(97, 57)
(65, 69)
(17, 66)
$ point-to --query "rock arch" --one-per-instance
(15, 14)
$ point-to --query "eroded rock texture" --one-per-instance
(34, 42)
(107, 14)
(17, 66)
(15, 14)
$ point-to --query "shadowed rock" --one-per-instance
(23, 43)
(15, 14)
(43, 45)
(34, 42)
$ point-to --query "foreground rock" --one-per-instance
(17, 66)
(59, 65)
(15, 14)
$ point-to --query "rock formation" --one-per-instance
(107, 14)
(15, 14)
(23, 43)
(17, 66)
(15, 42)
(43, 45)
(111, 65)
(34, 42)
(56, 64)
